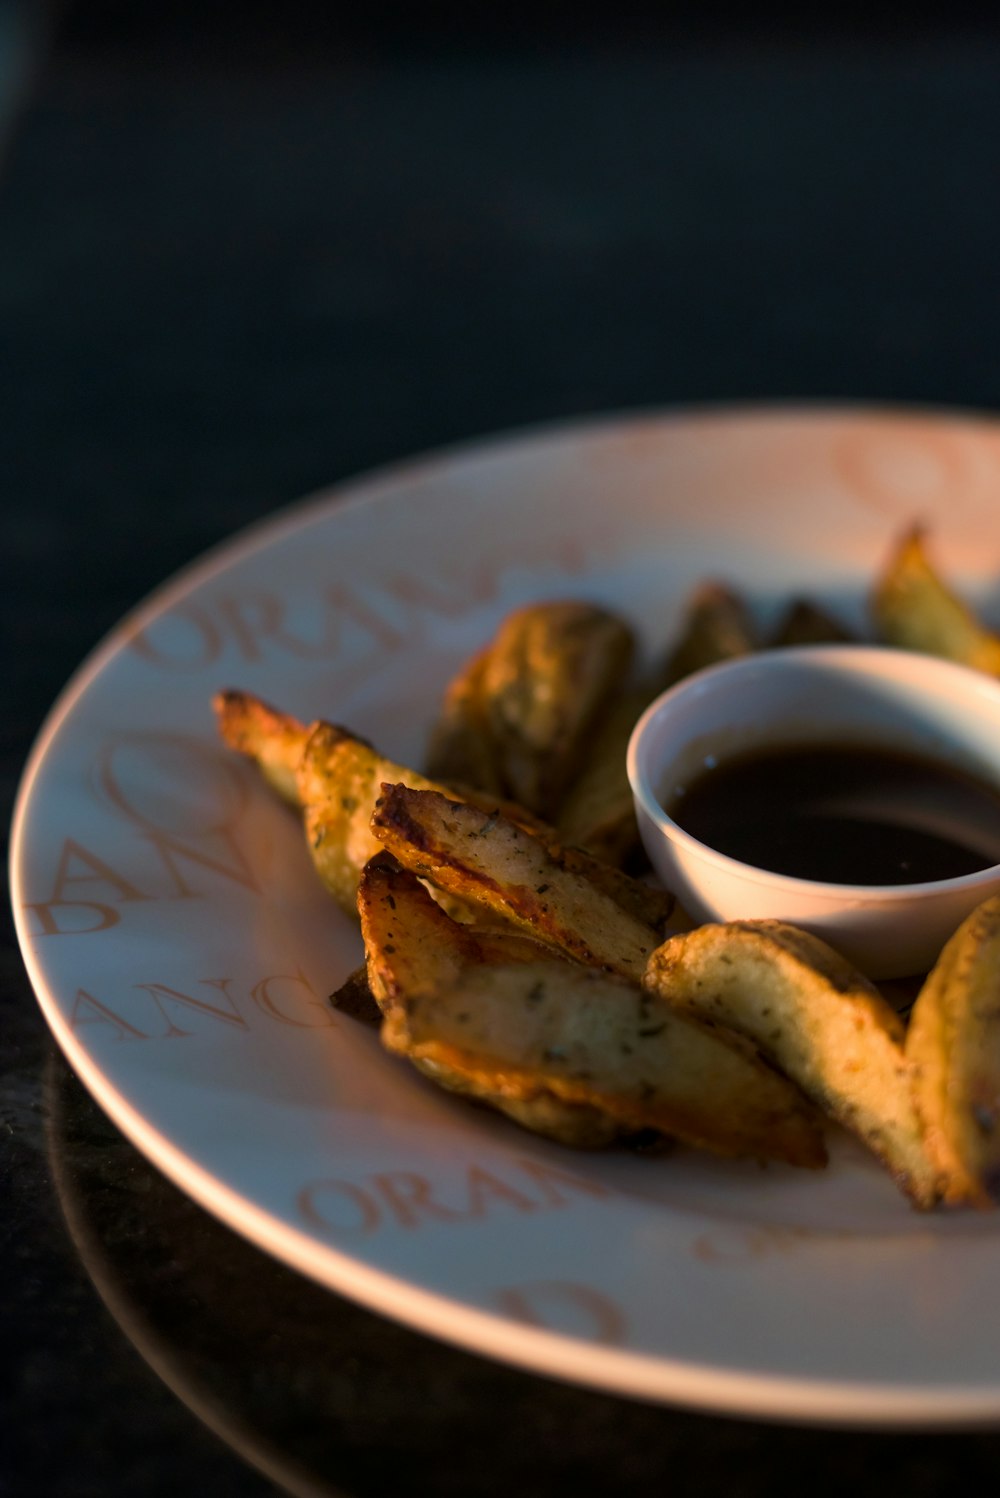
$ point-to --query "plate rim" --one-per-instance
(654, 1377)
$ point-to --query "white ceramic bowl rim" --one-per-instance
(974, 683)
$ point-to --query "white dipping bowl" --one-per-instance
(817, 694)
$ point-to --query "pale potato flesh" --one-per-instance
(716, 627)
(549, 673)
(273, 739)
(461, 750)
(413, 947)
(598, 812)
(339, 780)
(503, 1019)
(817, 1019)
(953, 1045)
(915, 609)
(486, 859)
(805, 623)
(334, 777)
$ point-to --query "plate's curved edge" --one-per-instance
(360, 488)
(787, 1400)
(648, 1377)
(257, 535)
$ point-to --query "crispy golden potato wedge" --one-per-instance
(274, 740)
(549, 673)
(649, 903)
(953, 1045)
(411, 943)
(412, 948)
(461, 750)
(598, 812)
(570, 1052)
(585, 1036)
(716, 627)
(805, 623)
(817, 1019)
(488, 860)
(334, 776)
(339, 780)
(914, 608)
(331, 774)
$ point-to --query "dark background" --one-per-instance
(246, 251)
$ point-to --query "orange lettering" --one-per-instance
(481, 579)
(98, 870)
(98, 1013)
(52, 914)
(408, 1197)
(417, 590)
(171, 783)
(253, 619)
(262, 618)
(346, 604)
(261, 994)
(182, 627)
(485, 1188)
(408, 1200)
(318, 1202)
(565, 1306)
(258, 620)
(229, 1015)
(731, 1246)
(48, 925)
(171, 849)
(550, 1178)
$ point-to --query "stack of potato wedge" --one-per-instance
(515, 956)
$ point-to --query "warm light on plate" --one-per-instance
(182, 950)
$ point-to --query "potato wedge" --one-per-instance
(716, 627)
(915, 609)
(549, 673)
(461, 750)
(412, 944)
(649, 903)
(339, 780)
(273, 739)
(586, 1038)
(817, 1019)
(953, 1045)
(488, 860)
(334, 776)
(571, 1052)
(413, 947)
(805, 623)
(598, 812)
(326, 771)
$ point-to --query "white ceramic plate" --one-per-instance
(182, 949)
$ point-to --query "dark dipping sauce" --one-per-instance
(844, 814)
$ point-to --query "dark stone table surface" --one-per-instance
(246, 252)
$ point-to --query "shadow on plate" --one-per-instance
(328, 1400)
